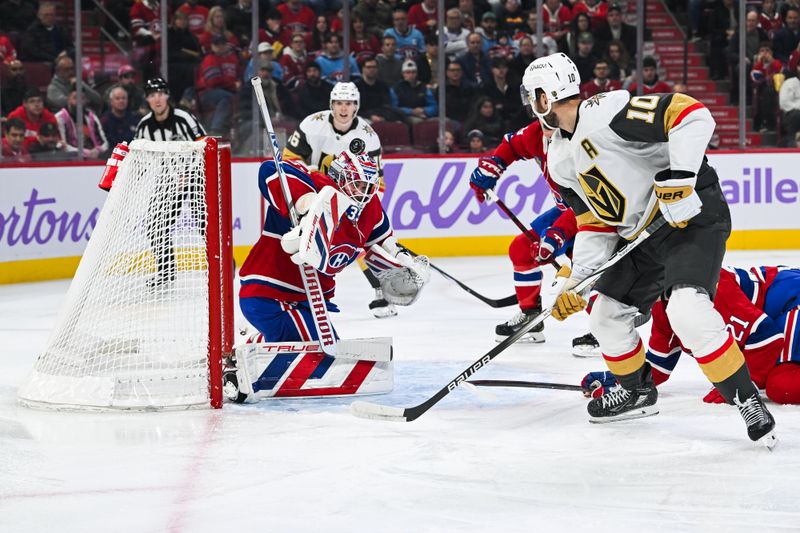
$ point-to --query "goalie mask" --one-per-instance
(556, 76)
(356, 176)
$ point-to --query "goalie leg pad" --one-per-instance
(300, 369)
(282, 321)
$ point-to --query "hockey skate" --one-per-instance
(517, 322)
(624, 404)
(760, 423)
(230, 385)
(380, 307)
(586, 346)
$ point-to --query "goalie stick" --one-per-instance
(316, 300)
(407, 414)
(523, 384)
(502, 302)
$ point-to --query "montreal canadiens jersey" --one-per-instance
(608, 165)
(268, 272)
(765, 336)
(316, 142)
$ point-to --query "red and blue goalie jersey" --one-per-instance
(268, 272)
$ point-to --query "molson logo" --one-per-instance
(451, 200)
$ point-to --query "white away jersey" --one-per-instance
(316, 142)
(619, 145)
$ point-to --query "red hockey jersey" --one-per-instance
(268, 272)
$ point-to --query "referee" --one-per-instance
(166, 123)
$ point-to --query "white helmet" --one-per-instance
(345, 91)
(556, 75)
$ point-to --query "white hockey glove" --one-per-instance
(401, 275)
(677, 198)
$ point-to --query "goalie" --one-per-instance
(340, 215)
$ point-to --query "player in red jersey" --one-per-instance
(555, 229)
(760, 307)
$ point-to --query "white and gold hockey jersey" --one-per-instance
(317, 142)
(619, 144)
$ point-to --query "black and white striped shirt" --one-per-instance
(179, 125)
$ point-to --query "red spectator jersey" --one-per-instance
(7, 50)
(593, 87)
(294, 67)
(770, 24)
(302, 21)
(145, 18)
(657, 87)
(421, 19)
(198, 15)
(32, 126)
(206, 37)
(19, 155)
(218, 72)
(598, 12)
(765, 71)
(268, 272)
(555, 22)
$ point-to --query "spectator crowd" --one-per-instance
(394, 59)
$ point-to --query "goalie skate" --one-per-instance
(760, 423)
(517, 322)
(586, 346)
(624, 404)
(380, 307)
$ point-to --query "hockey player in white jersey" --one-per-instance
(620, 161)
(322, 136)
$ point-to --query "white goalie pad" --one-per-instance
(302, 370)
(318, 227)
(401, 277)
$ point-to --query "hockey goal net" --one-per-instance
(148, 315)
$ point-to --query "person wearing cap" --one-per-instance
(585, 59)
(314, 94)
(331, 61)
(410, 41)
(47, 143)
(488, 31)
(166, 123)
(119, 122)
(650, 82)
(126, 75)
(217, 83)
(32, 112)
(475, 62)
(275, 32)
(414, 100)
(266, 60)
(475, 142)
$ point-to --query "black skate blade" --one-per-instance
(641, 412)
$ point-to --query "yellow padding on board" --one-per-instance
(64, 267)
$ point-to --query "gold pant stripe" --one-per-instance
(626, 364)
(724, 365)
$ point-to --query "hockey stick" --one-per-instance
(524, 384)
(400, 414)
(316, 300)
(502, 302)
(554, 262)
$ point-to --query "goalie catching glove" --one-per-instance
(400, 275)
(677, 198)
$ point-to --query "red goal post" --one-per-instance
(148, 317)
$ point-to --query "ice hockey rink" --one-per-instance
(500, 460)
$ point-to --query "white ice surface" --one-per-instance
(488, 460)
